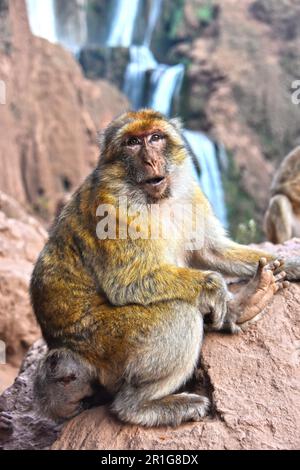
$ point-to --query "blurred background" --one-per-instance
(67, 67)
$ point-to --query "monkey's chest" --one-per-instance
(175, 254)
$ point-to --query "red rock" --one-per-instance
(50, 118)
(21, 239)
(253, 379)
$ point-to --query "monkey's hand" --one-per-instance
(249, 304)
(213, 301)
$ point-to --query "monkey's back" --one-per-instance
(287, 179)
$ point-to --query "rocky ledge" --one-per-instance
(253, 380)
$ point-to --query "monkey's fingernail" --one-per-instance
(263, 262)
(286, 284)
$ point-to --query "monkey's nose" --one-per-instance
(152, 162)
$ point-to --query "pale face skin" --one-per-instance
(147, 157)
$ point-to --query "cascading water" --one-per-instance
(152, 21)
(71, 24)
(42, 18)
(141, 60)
(210, 179)
(166, 83)
(142, 73)
(58, 21)
(122, 29)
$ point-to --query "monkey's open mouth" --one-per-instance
(155, 181)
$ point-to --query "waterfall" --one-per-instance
(122, 29)
(210, 179)
(166, 82)
(147, 83)
(71, 24)
(58, 21)
(153, 17)
(141, 60)
(41, 15)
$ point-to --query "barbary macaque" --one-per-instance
(282, 219)
(126, 312)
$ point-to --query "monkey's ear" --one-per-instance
(177, 123)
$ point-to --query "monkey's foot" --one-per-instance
(249, 304)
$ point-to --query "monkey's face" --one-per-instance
(148, 148)
(147, 166)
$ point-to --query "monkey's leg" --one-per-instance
(250, 302)
(279, 219)
(158, 368)
(63, 383)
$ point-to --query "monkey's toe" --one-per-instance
(199, 407)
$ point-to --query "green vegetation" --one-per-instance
(41, 207)
(240, 207)
(247, 233)
(206, 13)
(176, 19)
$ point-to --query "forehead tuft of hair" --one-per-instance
(135, 123)
(142, 121)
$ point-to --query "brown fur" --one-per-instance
(130, 308)
(282, 220)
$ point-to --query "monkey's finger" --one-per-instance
(275, 266)
(281, 266)
(281, 285)
(261, 264)
(280, 276)
(218, 315)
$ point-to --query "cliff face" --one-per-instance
(21, 239)
(49, 122)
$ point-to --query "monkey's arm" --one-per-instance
(234, 259)
(222, 254)
(134, 275)
(229, 258)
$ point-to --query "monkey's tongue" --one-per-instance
(155, 181)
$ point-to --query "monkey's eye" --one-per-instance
(156, 137)
(132, 141)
